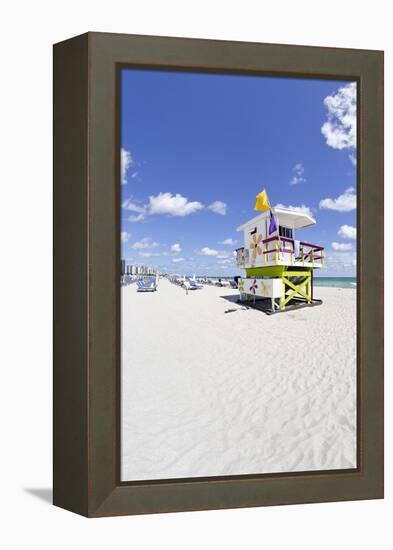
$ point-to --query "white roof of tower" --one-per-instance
(285, 216)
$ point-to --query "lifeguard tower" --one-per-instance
(278, 266)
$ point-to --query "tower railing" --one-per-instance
(308, 253)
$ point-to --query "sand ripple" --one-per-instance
(208, 393)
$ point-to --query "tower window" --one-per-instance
(285, 232)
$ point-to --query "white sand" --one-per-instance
(207, 391)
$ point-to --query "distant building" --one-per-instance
(130, 269)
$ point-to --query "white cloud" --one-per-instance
(137, 218)
(147, 254)
(218, 207)
(222, 255)
(176, 248)
(144, 244)
(341, 261)
(303, 209)
(344, 203)
(340, 128)
(125, 162)
(347, 232)
(206, 251)
(125, 237)
(174, 205)
(133, 207)
(342, 247)
(176, 260)
(228, 241)
(167, 203)
(298, 174)
(140, 210)
(353, 159)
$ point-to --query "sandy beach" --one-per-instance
(212, 388)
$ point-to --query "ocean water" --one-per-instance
(337, 282)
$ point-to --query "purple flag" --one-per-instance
(272, 225)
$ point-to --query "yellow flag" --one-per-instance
(262, 202)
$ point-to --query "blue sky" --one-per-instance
(197, 148)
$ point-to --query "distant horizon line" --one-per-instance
(226, 276)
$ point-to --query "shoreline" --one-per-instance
(335, 282)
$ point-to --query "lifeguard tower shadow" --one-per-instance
(265, 305)
(233, 298)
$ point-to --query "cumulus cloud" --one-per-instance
(125, 163)
(341, 261)
(176, 260)
(127, 204)
(176, 248)
(228, 242)
(139, 209)
(125, 237)
(340, 128)
(145, 243)
(303, 209)
(347, 232)
(136, 218)
(173, 205)
(343, 247)
(147, 254)
(169, 204)
(206, 251)
(344, 203)
(298, 174)
(218, 207)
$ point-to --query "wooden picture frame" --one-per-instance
(87, 267)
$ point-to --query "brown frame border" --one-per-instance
(87, 265)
